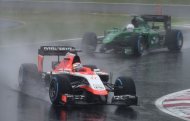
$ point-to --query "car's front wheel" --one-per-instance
(124, 86)
(138, 45)
(59, 87)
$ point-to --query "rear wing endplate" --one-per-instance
(53, 51)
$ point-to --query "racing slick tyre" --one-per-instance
(89, 42)
(28, 76)
(59, 86)
(124, 86)
(137, 45)
(174, 40)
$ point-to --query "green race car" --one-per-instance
(145, 32)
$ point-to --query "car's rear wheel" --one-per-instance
(89, 42)
(28, 75)
(174, 40)
(59, 86)
(124, 86)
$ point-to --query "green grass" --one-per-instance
(47, 26)
(132, 1)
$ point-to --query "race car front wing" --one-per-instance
(127, 100)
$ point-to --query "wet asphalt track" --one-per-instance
(156, 74)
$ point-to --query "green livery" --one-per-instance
(148, 32)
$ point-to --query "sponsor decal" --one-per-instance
(56, 48)
(94, 82)
(98, 86)
(176, 104)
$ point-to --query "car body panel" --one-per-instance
(85, 81)
(115, 38)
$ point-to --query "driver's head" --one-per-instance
(130, 27)
(77, 66)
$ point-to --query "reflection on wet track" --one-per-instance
(156, 74)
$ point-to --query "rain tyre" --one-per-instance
(59, 86)
(138, 45)
(124, 86)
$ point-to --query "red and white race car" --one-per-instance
(70, 82)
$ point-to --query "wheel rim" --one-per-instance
(140, 47)
(53, 90)
(118, 82)
(118, 87)
(180, 40)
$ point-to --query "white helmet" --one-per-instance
(130, 27)
(77, 66)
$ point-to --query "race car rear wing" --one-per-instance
(159, 18)
(53, 51)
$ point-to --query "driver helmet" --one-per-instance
(130, 27)
(77, 66)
